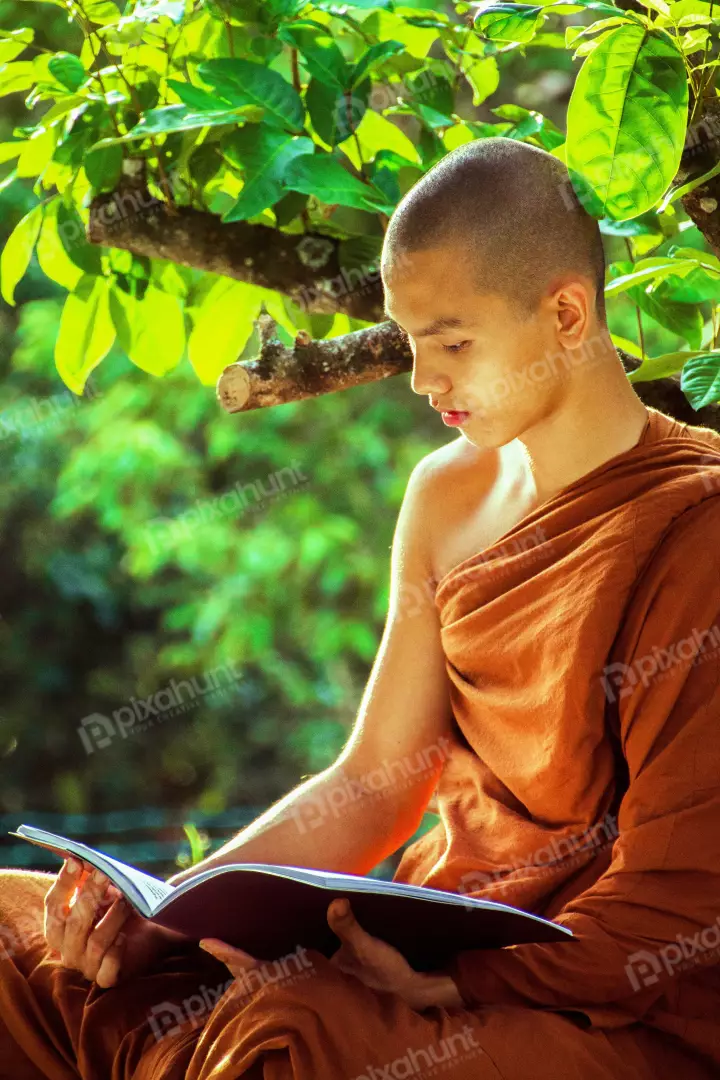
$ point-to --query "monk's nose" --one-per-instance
(426, 379)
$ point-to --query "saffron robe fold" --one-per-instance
(582, 784)
(583, 652)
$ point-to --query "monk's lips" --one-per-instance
(454, 418)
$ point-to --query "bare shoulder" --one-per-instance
(446, 491)
(446, 472)
(453, 458)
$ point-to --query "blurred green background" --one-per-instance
(283, 599)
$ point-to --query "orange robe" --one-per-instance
(583, 650)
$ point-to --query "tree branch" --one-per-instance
(305, 267)
(283, 373)
(309, 368)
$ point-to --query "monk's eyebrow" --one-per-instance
(445, 322)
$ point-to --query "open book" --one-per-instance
(269, 911)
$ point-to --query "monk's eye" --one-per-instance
(456, 348)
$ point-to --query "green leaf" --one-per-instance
(19, 75)
(100, 12)
(372, 58)
(561, 7)
(205, 162)
(86, 332)
(17, 252)
(685, 320)
(644, 225)
(653, 269)
(12, 43)
(678, 192)
(384, 26)
(429, 116)
(83, 126)
(71, 232)
(436, 22)
(175, 10)
(171, 118)
(509, 22)
(375, 133)
(245, 83)
(430, 148)
(703, 259)
(103, 167)
(37, 152)
(700, 379)
(626, 121)
(323, 176)
(11, 177)
(222, 327)
(67, 69)
(151, 330)
(10, 150)
(659, 367)
(288, 208)
(683, 8)
(527, 123)
(394, 174)
(320, 55)
(483, 75)
(331, 5)
(696, 288)
(263, 154)
(431, 88)
(196, 98)
(334, 116)
(54, 260)
(361, 253)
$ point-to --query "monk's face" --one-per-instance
(486, 361)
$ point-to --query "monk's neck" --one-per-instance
(567, 445)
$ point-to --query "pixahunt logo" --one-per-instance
(645, 968)
(214, 688)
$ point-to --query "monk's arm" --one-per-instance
(657, 906)
(372, 798)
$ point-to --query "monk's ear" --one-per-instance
(573, 303)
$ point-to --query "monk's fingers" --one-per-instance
(345, 960)
(108, 972)
(348, 963)
(356, 940)
(113, 893)
(56, 902)
(81, 920)
(235, 960)
(102, 939)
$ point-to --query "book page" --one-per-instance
(143, 890)
(332, 880)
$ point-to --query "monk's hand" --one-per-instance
(382, 967)
(84, 916)
(96, 932)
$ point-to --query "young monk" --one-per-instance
(554, 620)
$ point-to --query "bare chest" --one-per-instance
(482, 502)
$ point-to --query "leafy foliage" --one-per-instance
(296, 116)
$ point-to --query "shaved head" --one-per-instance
(510, 210)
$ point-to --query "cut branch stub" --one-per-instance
(309, 368)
